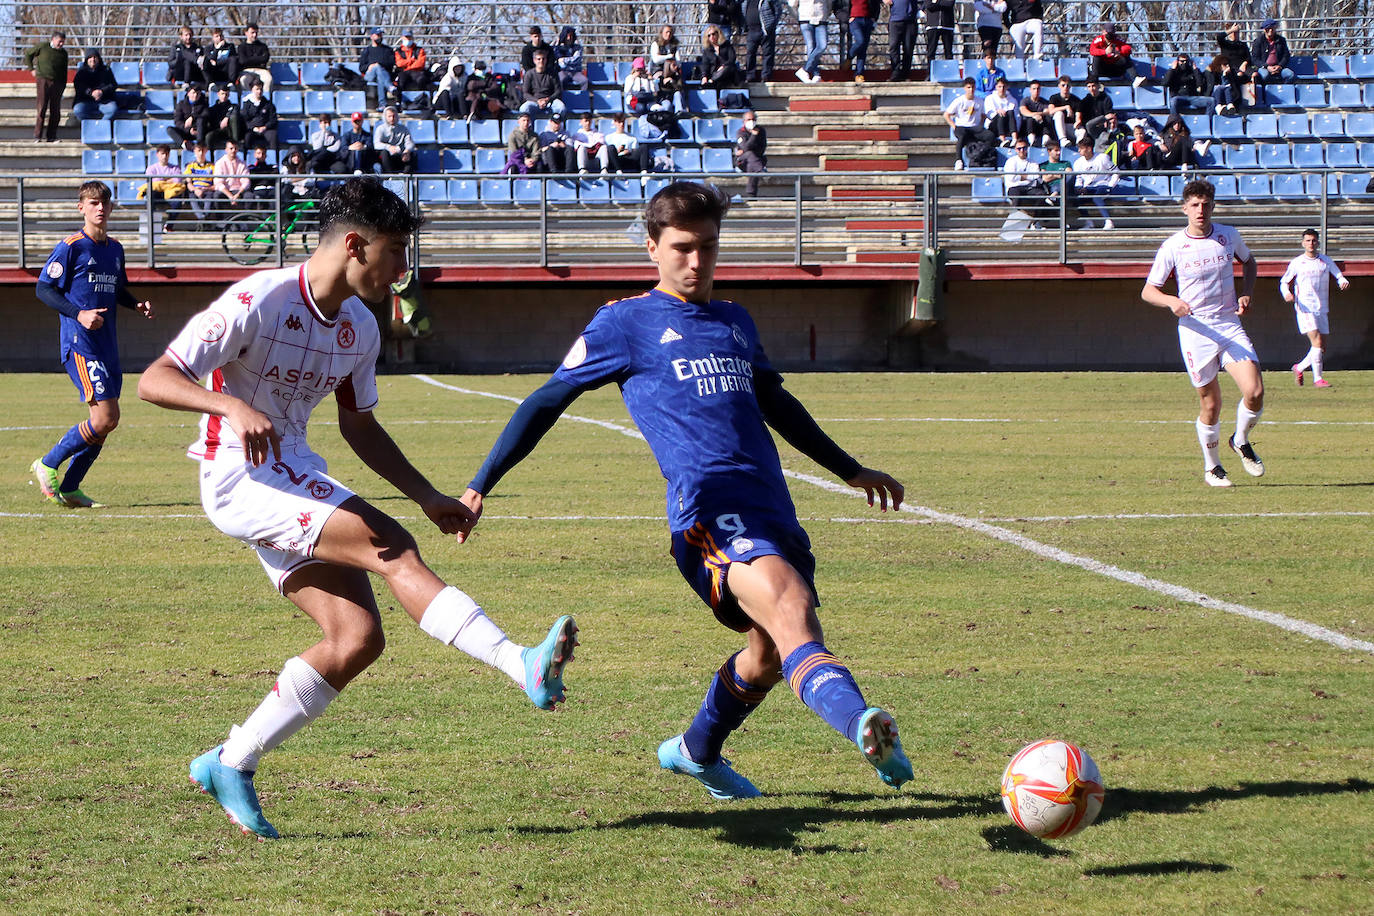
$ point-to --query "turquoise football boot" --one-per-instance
(877, 738)
(234, 791)
(719, 778)
(544, 663)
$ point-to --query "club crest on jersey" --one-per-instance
(347, 336)
(321, 489)
(577, 354)
(211, 327)
(54, 269)
(742, 545)
(293, 323)
(739, 336)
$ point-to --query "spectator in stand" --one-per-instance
(662, 48)
(1065, 109)
(762, 18)
(652, 136)
(1236, 51)
(1142, 154)
(862, 15)
(543, 91)
(183, 64)
(231, 177)
(640, 90)
(988, 74)
(728, 15)
(485, 93)
(901, 37)
(326, 147)
(999, 112)
(165, 184)
(625, 152)
(1228, 86)
(1051, 173)
(965, 117)
(260, 117)
(94, 85)
(449, 99)
(1110, 137)
(254, 57)
(532, 47)
(590, 143)
(556, 147)
(358, 154)
(48, 61)
(394, 145)
(412, 64)
(1037, 125)
(751, 152)
(377, 63)
(200, 185)
(672, 87)
(988, 20)
(222, 119)
(299, 182)
(1094, 180)
(1177, 149)
(219, 60)
(1188, 87)
(522, 148)
(262, 188)
(1021, 178)
(812, 16)
(939, 27)
(1269, 58)
(1109, 57)
(188, 117)
(1026, 18)
(840, 10)
(1095, 104)
(718, 67)
(567, 55)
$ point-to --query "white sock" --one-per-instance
(1245, 421)
(297, 699)
(455, 620)
(1306, 360)
(1209, 437)
(1315, 359)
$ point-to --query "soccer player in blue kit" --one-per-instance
(83, 281)
(697, 383)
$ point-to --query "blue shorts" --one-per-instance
(95, 379)
(705, 564)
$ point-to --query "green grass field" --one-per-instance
(1238, 757)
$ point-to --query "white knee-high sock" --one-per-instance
(1245, 421)
(455, 620)
(298, 698)
(1315, 358)
(1209, 437)
(1306, 360)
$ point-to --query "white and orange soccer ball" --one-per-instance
(1052, 789)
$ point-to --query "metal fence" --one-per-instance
(553, 221)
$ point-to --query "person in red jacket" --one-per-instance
(1110, 57)
(412, 69)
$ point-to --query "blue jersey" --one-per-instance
(687, 372)
(89, 275)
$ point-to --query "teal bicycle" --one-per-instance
(250, 238)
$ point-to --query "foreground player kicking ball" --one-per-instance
(1210, 334)
(275, 346)
(697, 383)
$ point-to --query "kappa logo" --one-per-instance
(294, 323)
(347, 336)
(669, 335)
(304, 520)
(246, 298)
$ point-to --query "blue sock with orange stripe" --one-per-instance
(729, 700)
(81, 463)
(72, 441)
(826, 686)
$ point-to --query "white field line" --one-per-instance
(1177, 592)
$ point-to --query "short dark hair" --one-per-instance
(97, 189)
(251, 25)
(1052, 144)
(968, 81)
(365, 203)
(1033, 83)
(1199, 188)
(684, 202)
(163, 148)
(1311, 232)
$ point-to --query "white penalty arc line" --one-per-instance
(1088, 564)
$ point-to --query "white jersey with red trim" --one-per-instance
(265, 342)
(1312, 275)
(1203, 269)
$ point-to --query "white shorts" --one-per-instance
(1208, 348)
(278, 509)
(1309, 321)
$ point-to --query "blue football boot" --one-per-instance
(877, 738)
(234, 791)
(719, 778)
(544, 663)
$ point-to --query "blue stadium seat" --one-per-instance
(129, 133)
(526, 191)
(1342, 155)
(577, 100)
(490, 162)
(717, 159)
(318, 102)
(1332, 67)
(971, 65)
(1308, 156)
(284, 75)
(427, 161)
(155, 73)
(347, 101)
(626, 191)
(1262, 126)
(1353, 184)
(1311, 95)
(433, 190)
(130, 162)
(1360, 124)
(1281, 95)
(289, 132)
(126, 191)
(988, 188)
(1304, 66)
(1210, 159)
(157, 132)
(702, 101)
(600, 73)
(686, 159)
(594, 191)
(709, 130)
(313, 74)
(947, 95)
(1075, 68)
(1038, 154)
(96, 162)
(735, 100)
(126, 74)
(1199, 125)
(1366, 152)
(1014, 69)
(1346, 95)
(289, 102)
(654, 185)
(453, 132)
(159, 101)
(483, 133)
(607, 101)
(421, 131)
(945, 72)
(1153, 185)
(1273, 155)
(1228, 127)
(1289, 185)
(1042, 70)
(1227, 186)
(415, 101)
(1123, 98)
(1150, 98)
(494, 190)
(1254, 186)
(455, 160)
(1369, 95)
(506, 67)
(462, 190)
(1241, 157)
(622, 71)
(1314, 181)
(1294, 125)
(98, 132)
(1362, 66)
(1327, 125)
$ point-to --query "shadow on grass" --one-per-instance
(1140, 869)
(1124, 802)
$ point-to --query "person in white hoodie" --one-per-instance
(813, 16)
(1096, 177)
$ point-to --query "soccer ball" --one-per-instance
(1052, 789)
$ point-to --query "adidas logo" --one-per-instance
(669, 335)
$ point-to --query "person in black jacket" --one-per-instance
(1188, 86)
(377, 63)
(219, 60)
(751, 147)
(1269, 56)
(939, 27)
(222, 119)
(253, 58)
(95, 89)
(260, 118)
(183, 64)
(188, 117)
(718, 67)
(727, 15)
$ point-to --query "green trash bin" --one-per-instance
(930, 285)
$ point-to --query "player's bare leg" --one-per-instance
(1248, 412)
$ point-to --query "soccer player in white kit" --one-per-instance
(1210, 334)
(274, 347)
(1306, 284)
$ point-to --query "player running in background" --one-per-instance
(1210, 334)
(83, 281)
(1310, 271)
(275, 346)
(698, 385)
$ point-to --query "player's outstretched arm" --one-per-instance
(164, 384)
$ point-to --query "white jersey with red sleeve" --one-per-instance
(1203, 270)
(1309, 281)
(265, 342)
